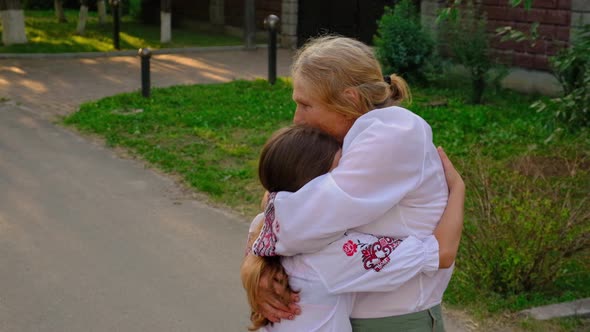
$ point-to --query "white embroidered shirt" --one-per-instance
(356, 262)
(390, 182)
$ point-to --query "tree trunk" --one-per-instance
(82, 17)
(13, 22)
(59, 11)
(102, 11)
(250, 24)
(165, 21)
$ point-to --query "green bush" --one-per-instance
(523, 228)
(402, 46)
(469, 42)
(572, 68)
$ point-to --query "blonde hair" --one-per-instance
(332, 64)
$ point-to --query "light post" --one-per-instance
(271, 22)
(145, 54)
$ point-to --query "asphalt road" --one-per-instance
(93, 242)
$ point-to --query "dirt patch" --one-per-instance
(540, 166)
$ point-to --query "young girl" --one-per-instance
(356, 262)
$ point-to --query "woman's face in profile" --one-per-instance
(310, 111)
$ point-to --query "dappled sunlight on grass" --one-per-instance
(88, 43)
(132, 41)
(45, 35)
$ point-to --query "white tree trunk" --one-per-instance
(13, 26)
(165, 27)
(82, 18)
(102, 11)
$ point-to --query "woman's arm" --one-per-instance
(382, 161)
(365, 263)
(359, 269)
(448, 231)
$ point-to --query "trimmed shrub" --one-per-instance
(402, 46)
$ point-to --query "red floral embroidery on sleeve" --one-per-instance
(349, 248)
(266, 241)
(376, 255)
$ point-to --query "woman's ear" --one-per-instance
(353, 95)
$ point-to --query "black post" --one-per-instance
(145, 54)
(116, 23)
(271, 23)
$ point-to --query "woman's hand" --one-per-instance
(448, 231)
(264, 201)
(270, 304)
(454, 180)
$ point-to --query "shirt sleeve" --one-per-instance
(254, 225)
(366, 271)
(382, 161)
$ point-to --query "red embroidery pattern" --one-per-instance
(349, 248)
(266, 241)
(376, 255)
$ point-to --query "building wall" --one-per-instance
(554, 18)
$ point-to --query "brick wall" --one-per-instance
(234, 12)
(554, 18)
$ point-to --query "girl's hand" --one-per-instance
(454, 180)
(270, 304)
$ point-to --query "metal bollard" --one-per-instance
(116, 23)
(271, 22)
(145, 54)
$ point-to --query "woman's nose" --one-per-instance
(298, 118)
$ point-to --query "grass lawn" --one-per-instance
(45, 35)
(211, 135)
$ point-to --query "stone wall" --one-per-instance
(580, 15)
(289, 23)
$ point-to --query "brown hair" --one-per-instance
(294, 156)
(290, 158)
(333, 64)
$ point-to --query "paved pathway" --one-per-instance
(57, 86)
(93, 242)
